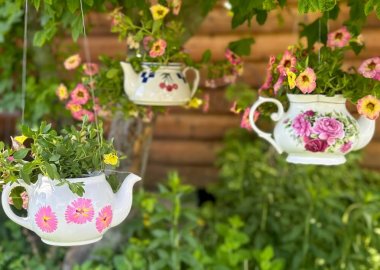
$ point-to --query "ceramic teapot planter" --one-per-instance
(166, 86)
(316, 129)
(62, 218)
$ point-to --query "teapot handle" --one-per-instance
(7, 209)
(275, 117)
(196, 80)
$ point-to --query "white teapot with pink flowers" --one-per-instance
(316, 129)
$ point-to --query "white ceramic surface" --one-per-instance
(166, 86)
(316, 129)
(62, 218)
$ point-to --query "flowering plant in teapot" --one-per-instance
(154, 73)
(317, 128)
(70, 201)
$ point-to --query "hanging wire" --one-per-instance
(24, 62)
(88, 59)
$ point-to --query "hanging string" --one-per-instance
(24, 62)
(88, 60)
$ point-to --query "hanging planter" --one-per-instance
(165, 85)
(62, 218)
(155, 73)
(317, 128)
(70, 202)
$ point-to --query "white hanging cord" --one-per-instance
(88, 59)
(24, 62)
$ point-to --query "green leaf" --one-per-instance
(76, 27)
(16, 197)
(242, 46)
(261, 16)
(206, 56)
(21, 154)
(316, 31)
(36, 4)
(112, 73)
(72, 5)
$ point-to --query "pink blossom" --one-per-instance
(46, 219)
(79, 211)
(206, 104)
(79, 115)
(329, 129)
(306, 81)
(279, 83)
(158, 48)
(346, 147)
(104, 219)
(147, 42)
(269, 76)
(339, 38)
(245, 119)
(80, 94)
(232, 57)
(72, 62)
(370, 68)
(90, 69)
(301, 126)
(73, 106)
(287, 62)
(10, 158)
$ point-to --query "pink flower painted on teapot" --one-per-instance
(46, 219)
(329, 129)
(104, 219)
(79, 211)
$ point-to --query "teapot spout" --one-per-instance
(130, 79)
(122, 202)
(366, 132)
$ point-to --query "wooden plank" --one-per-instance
(372, 155)
(194, 127)
(199, 176)
(183, 152)
(218, 22)
(267, 44)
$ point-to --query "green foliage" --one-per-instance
(72, 154)
(314, 217)
(242, 46)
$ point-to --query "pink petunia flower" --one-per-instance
(269, 76)
(79, 115)
(206, 104)
(279, 83)
(339, 38)
(80, 94)
(287, 62)
(147, 42)
(46, 219)
(369, 106)
(158, 48)
(232, 57)
(104, 219)
(72, 62)
(370, 68)
(245, 119)
(306, 81)
(90, 69)
(73, 106)
(79, 211)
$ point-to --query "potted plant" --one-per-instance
(154, 73)
(317, 128)
(70, 200)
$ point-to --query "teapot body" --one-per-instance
(163, 85)
(316, 129)
(61, 217)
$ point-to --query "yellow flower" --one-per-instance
(194, 103)
(369, 106)
(62, 92)
(158, 12)
(110, 159)
(291, 78)
(20, 139)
